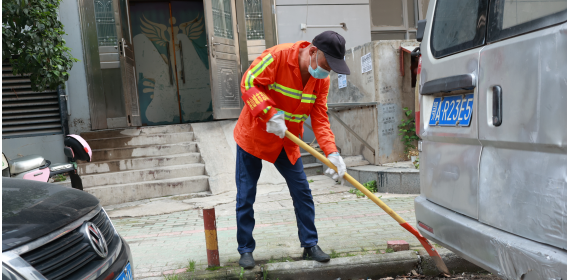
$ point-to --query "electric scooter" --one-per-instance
(36, 168)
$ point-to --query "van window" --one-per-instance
(514, 17)
(458, 25)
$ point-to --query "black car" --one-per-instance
(54, 232)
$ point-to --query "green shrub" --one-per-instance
(370, 185)
(32, 42)
(408, 131)
(191, 266)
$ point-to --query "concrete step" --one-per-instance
(401, 177)
(352, 161)
(145, 130)
(144, 151)
(308, 158)
(133, 176)
(303, 151)
(137, 163)
(152, 139)
(313, 169)
(116, 194)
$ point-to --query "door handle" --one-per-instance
(447, 84)
(181, 62)
(212, 44)
(497, 105)
(121, 50)
(168, 62)
(123, 45)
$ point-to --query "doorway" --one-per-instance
(172, 62)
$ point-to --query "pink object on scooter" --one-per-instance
(41, 175)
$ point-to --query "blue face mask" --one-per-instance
(318, 73)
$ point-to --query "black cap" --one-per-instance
(332, 44)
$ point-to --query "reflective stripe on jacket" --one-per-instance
(273, 83)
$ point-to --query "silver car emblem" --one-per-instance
(96, 239)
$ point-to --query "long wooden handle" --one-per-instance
(439, 263)
(347, 177)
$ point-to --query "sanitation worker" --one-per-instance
(283, 87)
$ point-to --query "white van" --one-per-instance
(493, 94)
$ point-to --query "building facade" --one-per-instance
(146, 63)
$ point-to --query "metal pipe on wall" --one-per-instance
(67, 99)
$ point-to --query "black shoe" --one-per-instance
(246, 260)
(315, 253)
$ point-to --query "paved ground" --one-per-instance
(165, 243)
(464, 276)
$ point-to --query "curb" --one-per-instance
(364, 266)
(370, 266)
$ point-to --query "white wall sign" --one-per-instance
(366, 63)
(341, 81)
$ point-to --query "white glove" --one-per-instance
(336, 159)
(276, 124)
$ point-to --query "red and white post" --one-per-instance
(211, 237)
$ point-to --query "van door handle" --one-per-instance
(497, 105)
(447, 84)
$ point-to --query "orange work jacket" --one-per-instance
(273, 83)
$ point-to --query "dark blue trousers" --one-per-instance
(248, 169)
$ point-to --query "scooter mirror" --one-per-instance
(5, 166)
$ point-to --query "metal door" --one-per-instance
(191, 56)
(127, 63)
(522, 122)
(172, 61)
(152, 30)
(225, 76)
(450, 55)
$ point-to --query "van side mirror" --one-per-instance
(421, 29)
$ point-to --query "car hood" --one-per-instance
(32, 209)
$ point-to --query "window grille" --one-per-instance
(254, 20)
(222, 16)
(105, 23)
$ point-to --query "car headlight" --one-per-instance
(9, 274)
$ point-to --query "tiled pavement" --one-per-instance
(165, 243)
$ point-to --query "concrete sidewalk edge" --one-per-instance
(364, 266)
(369, 266)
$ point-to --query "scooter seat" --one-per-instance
(26, 163)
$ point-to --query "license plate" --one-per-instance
(127, 273)
(453, 110)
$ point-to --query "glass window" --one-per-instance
(514, 17)
(105, 23)
(458, 25)
(222, 15)
(254, 20)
